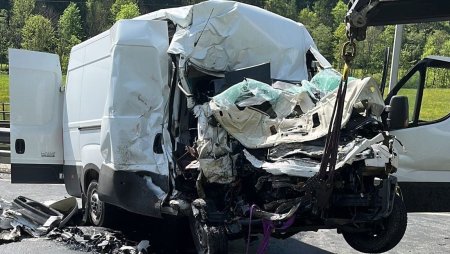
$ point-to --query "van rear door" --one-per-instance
(36, 117)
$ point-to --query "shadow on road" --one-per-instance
(286, 246)
(173, 235)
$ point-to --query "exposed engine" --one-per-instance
(250, 152)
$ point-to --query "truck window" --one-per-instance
(409, 89)
(436, 95)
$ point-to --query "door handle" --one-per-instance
(20, 146)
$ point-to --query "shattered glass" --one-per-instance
(247, 93)
(326, 80)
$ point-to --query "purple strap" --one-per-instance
(268, 228)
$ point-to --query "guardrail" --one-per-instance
(5, 116)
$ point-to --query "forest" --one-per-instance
(57, 25)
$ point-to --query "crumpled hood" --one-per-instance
(254, 128)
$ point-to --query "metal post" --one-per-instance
(396, 56)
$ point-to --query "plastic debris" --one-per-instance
(25, 217)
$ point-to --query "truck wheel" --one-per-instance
(208, 239)
(100, 213)
(386, 236)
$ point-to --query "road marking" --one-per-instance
(439, 214)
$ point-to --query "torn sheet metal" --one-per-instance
(376, 152)
(134, 123)
(8, 236)
(219, 170)
(222, 36)
(372, 151)
(214, 158)
(255, 129)
(293, 167)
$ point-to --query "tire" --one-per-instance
(100, 213)
(384, 239)
(208, 239)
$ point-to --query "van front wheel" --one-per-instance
(208, 239)
(384, 237)
(100, 213)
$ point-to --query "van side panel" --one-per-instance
(88, 79)
(136, 161)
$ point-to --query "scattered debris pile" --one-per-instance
(25, 218)
(95, 239)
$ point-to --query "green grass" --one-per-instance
(4, 96)
(4, 88)
(435, 102)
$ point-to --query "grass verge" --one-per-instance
(4, 88)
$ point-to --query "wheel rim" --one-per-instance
(96, 207)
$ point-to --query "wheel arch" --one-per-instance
(90, 172)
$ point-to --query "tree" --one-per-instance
(70, 32)
(340, 38)
(70, 22)
(284, 8)
(4, 38)
(97, 16)
(434, 43)
(20, 12)
(308, 18)
(38, 34)
(323, 10)
(370, 52)
(437, 43)
(414, 39)
(128, 11)
(117, 6)
(323, 38)
(339, 12)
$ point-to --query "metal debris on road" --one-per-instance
(28, 218)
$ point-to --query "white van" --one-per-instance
(209, 111)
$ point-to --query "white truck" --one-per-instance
(212, 111)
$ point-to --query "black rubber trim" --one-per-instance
(72, 180)
(130, 190)
(37, 173)
(426, 196)
(90, 128)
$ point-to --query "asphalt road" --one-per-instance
(426, 233)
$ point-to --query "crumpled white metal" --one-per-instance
(137, 97)
(225, 35)
(376, 155)
(254, 129)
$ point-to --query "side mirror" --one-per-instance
(398, 117)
